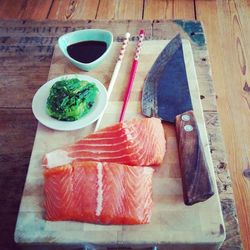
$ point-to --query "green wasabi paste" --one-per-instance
(69, 100)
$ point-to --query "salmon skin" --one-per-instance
(95, 192)
(139, 142)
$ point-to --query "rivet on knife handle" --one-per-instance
(196, 179)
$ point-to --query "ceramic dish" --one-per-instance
(40, 99)
(86, 35)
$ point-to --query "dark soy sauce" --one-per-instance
(87, 51)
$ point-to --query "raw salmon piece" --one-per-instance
(138, 142)
(95, 192)
(59, 185)
(67, 193)
(128, 194)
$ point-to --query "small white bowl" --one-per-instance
(40, 100)
(86, 35)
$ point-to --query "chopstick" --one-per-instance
(115, 74)
(132, 74)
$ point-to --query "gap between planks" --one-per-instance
(98, 9)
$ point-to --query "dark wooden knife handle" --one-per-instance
(196, 180)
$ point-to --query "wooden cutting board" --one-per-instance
(173, 224)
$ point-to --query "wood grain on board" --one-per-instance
(107, 9)
(73, 10)
(158, 9)
(232, 14)
(130, 9)
(231, 80)
(25, 9)
(184, 9)
(181, 9)
(112, 9)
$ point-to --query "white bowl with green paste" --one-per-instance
(69, 102)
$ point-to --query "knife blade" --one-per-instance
(166, 95)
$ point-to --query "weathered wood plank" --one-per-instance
(20, 81)
(184, 9)
(179, 9)
(73, 10)
(13, 122)
(54, 28)
(130, 9)
(120, 10)
(162, 9)
(17, 131)
(25, 9)
(107, 9)
(230, 19)
(7, 229)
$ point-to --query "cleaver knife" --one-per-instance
(166, 95)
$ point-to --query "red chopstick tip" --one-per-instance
(142, 32)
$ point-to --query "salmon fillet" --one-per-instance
(95, 192)
(138, 142)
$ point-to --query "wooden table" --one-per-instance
(226, 25)
(31, 45)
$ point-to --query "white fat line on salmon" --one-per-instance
(106, 152)
(99, 145)
(136, 153)
(105, 131)
(130, 138)
(100, 189)
(96, 150)
(111, 137)
(132, 134)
